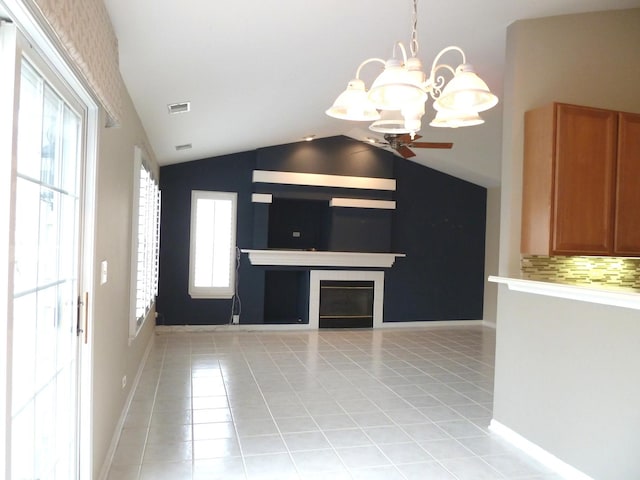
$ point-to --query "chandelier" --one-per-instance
(395, 103)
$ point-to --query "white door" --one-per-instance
(45, 311)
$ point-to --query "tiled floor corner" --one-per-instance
(335, 404)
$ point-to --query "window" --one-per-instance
(146, 242)
(213, 240)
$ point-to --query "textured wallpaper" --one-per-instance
(85, 32)
(615, 272)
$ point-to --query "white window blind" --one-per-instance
(212, 245)
(146, 242)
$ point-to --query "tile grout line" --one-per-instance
(356, 351)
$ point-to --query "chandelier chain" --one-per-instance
(414, 31)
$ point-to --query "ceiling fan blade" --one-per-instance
(404, 151)
(430, 145)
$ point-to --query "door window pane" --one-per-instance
(30, 122)
(45, 348)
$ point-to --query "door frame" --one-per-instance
(37, 34)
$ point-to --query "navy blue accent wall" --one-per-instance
(286, 294)
(439, 223)
(330, 156)
(299, 224)
(360, 230)
(231, 173)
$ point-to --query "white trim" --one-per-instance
(261, 198)
(362, 203)
(487, 324)
(541, 455)
(212, 291)
(106, 466)
(227, 327)
(434, 323)
(302, 258)
(264, 327)
(9, 81)
(133, 261)
(90, 195)
(316, 276)
(616, 298)
(322, 180)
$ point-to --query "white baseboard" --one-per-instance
(258, 327)
(106, 466)
(541, 455)
(232, 328)
(489, 324)
(435, 323)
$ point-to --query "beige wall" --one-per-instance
(561, 365)
(567, 380)
(492, 240)
(113, 356)
(589, 59)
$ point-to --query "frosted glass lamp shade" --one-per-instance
(452, 119)
(354, 104)
(396, 87)
(391, 121)
(466, 92)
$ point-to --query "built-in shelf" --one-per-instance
(617, 297)
(261, 198)
(362, 203)
(303, 258)
(322, 180)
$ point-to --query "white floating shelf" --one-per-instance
(322, 180)
(362, 203)
(262, 198)
(303, 258)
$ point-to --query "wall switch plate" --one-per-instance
(236, 319)
(103, 272)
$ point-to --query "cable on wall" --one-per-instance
(236, 302)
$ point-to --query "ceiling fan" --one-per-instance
(403, 143)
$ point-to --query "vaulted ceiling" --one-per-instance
(261, 73)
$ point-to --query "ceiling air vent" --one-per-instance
(185, 146)
(183, 107)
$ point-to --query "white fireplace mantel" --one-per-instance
(304, 258)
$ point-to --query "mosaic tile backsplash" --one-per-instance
(615, 272)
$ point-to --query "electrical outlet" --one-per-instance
(124, 382)
(104, 268)
(236, 319)
(295, 234)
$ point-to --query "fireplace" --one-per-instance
(346, 298)
(346, 304)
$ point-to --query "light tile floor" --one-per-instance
(332, 404)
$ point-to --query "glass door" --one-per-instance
(46, 290)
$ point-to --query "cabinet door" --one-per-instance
(584, 180)
(627, 231)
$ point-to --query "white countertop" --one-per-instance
(627, 298)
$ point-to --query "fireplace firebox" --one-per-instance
(346, 304)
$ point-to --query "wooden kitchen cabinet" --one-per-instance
(627, 216)
(580, 182)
